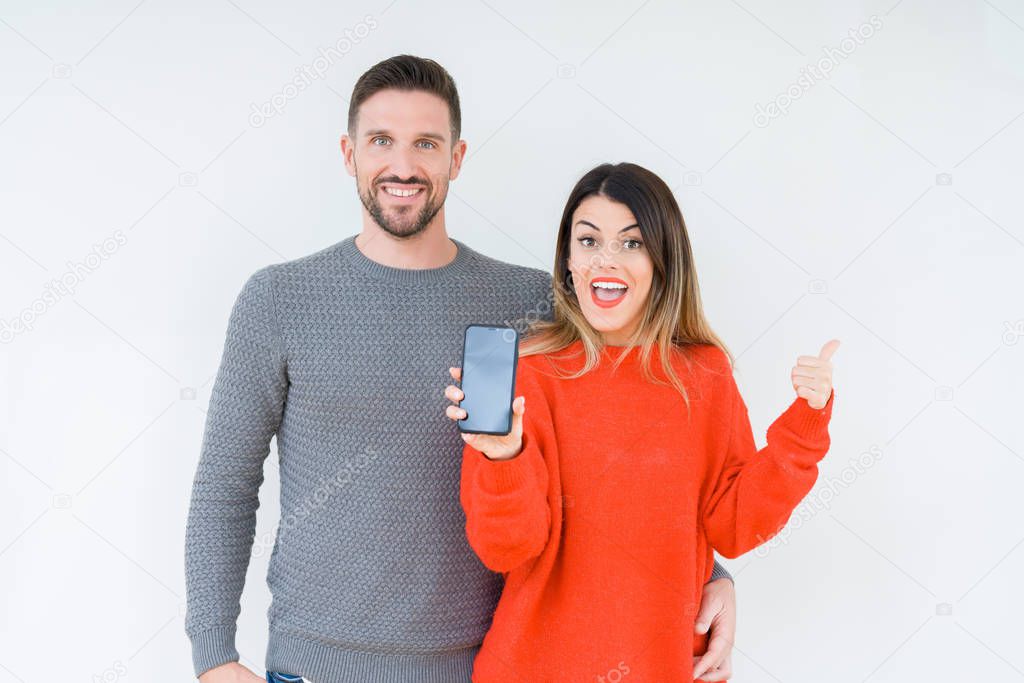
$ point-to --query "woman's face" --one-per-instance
(611, 268)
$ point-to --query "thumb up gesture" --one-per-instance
(812, 376)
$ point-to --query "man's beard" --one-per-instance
(406, 225)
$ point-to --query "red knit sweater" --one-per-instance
(605, 523)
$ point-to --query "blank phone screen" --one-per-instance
(488, 379)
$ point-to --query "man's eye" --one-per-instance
(374, 141)
(428, 142)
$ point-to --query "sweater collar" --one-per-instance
(612, 352)
(455, 268)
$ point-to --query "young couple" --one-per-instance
(578, 547)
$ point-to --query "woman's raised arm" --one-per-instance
(757, 490)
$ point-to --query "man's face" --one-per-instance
(402, 158)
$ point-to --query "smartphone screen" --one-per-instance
(489, 356)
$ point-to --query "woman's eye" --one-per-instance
(585, 241)
(637, 244)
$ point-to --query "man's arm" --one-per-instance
(716, 618)
(719, 572)
(245, 411)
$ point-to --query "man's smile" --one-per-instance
(403, 193)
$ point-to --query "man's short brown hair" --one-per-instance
(410, 73)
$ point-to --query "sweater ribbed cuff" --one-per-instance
(808, 424)
(212, 648)
(811, 419)
(719, 572)
(502, 476)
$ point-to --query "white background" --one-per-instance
(834, 220)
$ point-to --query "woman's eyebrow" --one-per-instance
(586, 222)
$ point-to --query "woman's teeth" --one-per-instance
(609, 291)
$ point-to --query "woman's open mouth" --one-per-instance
(607, 291)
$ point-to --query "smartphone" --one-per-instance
(489, 357)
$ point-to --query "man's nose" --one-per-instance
(403, 164)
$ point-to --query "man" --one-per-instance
(343, 354)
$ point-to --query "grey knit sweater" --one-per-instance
(345, 360)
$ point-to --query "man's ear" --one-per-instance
(348, 151)
(458, 154)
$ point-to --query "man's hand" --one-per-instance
(717, 614)
(232, 672)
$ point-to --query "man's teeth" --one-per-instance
(401, 193)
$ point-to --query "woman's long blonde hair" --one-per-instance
(673, 317)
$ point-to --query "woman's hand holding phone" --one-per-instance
(494, 447)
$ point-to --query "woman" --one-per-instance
(637, 461)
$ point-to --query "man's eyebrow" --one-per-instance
(628, 227)
(429, 136)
